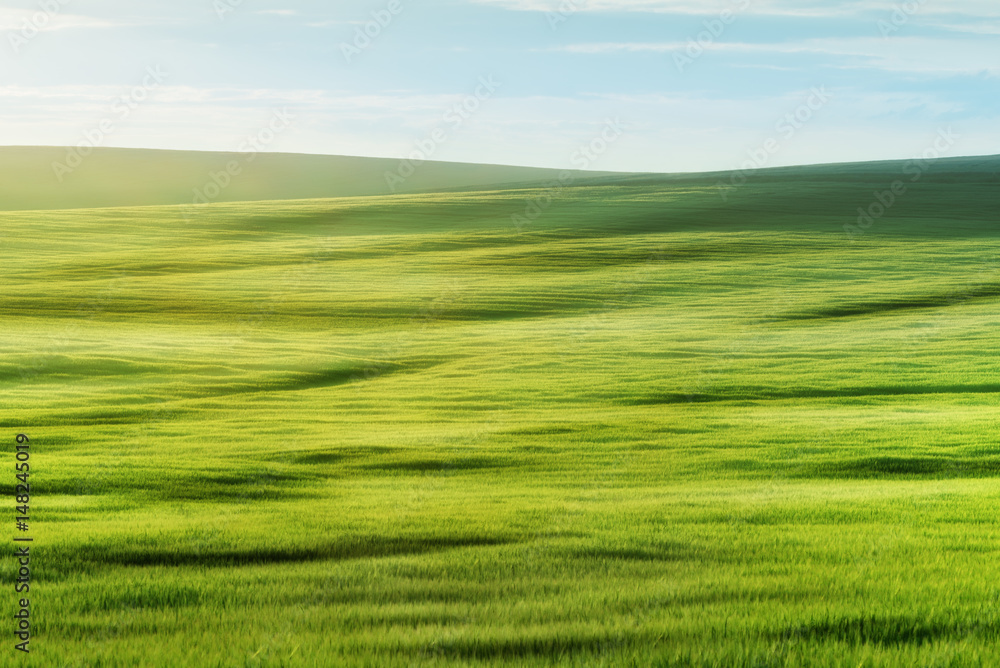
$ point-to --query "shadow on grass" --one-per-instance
(311, 380)
(904, 467)
(887, 306)
(337, 456)
(439, 465)
(886, 630)
(523, 647)
(88, 557)
(223, 487)
(768, 394)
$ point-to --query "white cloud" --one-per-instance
(978, 28)
(977, 8)
(700, 7)
(19, 19)
(702, 133)
(329, 24)
(931, 56)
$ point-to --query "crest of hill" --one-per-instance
(966, 170)
(114, 177)
(34, 178)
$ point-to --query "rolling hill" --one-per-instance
(632, 421)
(37, 177)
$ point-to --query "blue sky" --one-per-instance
(696, 85)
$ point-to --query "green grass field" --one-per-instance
(649, 427)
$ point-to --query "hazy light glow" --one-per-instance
(695, 85)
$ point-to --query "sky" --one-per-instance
(687, 85)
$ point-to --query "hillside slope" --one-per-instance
(43, 178)
(39, 178)
(647, 426)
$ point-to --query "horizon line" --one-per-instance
(732, 170)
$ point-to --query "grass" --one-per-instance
(649, 428)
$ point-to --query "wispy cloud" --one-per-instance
(805, 8)
(617, 59)
(18, 19)
(330, 24)
(978, 28)
(277, 12)
(903, 54)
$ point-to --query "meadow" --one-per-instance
(651, 424)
